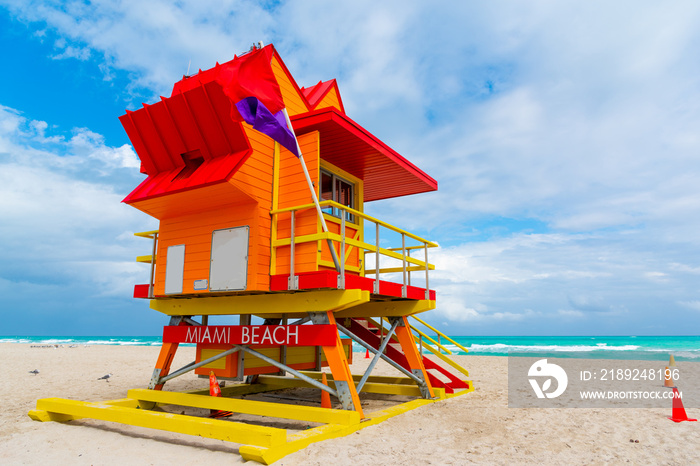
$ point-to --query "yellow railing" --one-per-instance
(419, 339)
(153, 234)
(438, 334)
(408, 264)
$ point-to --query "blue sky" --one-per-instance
(565, 139)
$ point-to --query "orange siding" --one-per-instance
(172, 205)
(351, 253)
(195, 232)
(330, 100)
(294, 191)
(293, 99)
(255, 175)
(216, 209)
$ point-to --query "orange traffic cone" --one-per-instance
(367, 354)
(215, 390)
(678, 411)
(668, 379)
(325, 396)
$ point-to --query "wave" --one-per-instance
(502, 348)
(643, 350)
(84, 341)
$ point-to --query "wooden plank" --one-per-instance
(369, 387)
(202, 427)
(388, 308)
(277, 303)
(257, 408)
(291, 95)
(330, 100)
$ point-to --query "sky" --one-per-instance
(564, 136)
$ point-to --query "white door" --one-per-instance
(229, 259)
(175, 269)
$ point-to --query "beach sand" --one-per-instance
(475, 428)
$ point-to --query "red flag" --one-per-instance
(251, 75)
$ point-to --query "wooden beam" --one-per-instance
(258, 408)
(201, 427)
(270, 303)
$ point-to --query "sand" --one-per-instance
(475, 428)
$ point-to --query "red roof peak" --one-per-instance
(314, 94)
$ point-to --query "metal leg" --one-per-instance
(338, 363)
(165, 358)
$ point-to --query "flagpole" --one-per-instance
(313, 192)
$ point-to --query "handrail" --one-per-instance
(147, 234)
(408, 264)
(359, 214)
(152, 234)
(446, 359)
(438, 332)
(431, 340)
(352, 242)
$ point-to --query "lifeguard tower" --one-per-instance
(259, 187)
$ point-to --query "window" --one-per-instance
(334, 188)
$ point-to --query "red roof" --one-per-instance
(189, 140)
(352, 148)
(315, 94)
(185, 141)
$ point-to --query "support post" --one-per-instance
(404, 290)
(283, 348)
(165, 359)
(427, 269)
(338, 363)
(153, 266)
(293, 283)
(415, 362)
(341, 275)
(376, 265)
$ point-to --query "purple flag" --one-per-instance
(256, 114)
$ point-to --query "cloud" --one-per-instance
(564, 141)
(540, 283)
(62, 216)
(154, 40)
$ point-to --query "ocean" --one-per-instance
(651, 348)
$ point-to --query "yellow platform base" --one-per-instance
(259, 443)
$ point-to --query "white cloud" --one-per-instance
(581, 123)
(62, 219)
(694, 305)
(154, 40)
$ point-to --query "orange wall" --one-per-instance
(293, 100)
(352, 256)
(294, 191)
(207, 209)
(195, 232)
(330, 100)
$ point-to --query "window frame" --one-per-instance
(333, 211)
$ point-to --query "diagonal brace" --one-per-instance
(377, 355)
(393, 363)
(192, 366)
(294, 372)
